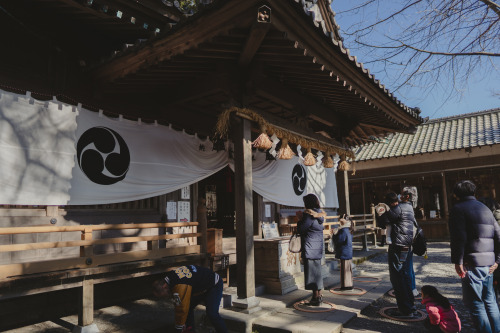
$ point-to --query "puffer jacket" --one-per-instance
(402, 219)
(474, 234)
(343, 243)
(447, 319)
(310, 228)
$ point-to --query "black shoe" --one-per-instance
(316, 301)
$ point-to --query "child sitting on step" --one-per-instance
(442, 316)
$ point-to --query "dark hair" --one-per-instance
(391, 197)
(464, 188)
(433, 293)
(311, 201)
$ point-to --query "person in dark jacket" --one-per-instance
(475, 251)
(188, 286)
(342, 239)
(495, 208)
(401, 218)
(310, 227)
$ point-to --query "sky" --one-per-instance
(478, 95)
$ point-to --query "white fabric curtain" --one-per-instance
(287, 181)
(54, 154)
(57, 154)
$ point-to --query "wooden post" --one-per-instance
(257, 214)
(346, 192)
(201, 217)
(365, 240)
(86, 306)
(445, 196)
(244, 214)
(86, 251)
(375, 229)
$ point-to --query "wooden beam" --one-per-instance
(275, 91)
(210, 25)
(298, 130)
(346, 193)
(257, 34)
(197, 89)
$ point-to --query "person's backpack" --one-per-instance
(419, 242)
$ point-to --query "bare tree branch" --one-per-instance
(425, 43)
(458, 54)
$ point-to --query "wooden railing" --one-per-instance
(87, 257)
(363, 225)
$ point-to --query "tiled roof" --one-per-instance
(443, 134)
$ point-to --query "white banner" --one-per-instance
(287, 181)
(54, 154)
(57, 154)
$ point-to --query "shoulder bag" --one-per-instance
(419, 241)
(295, 243)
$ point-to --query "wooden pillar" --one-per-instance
(257, 214)
(364, 198)
(445, 196)
(86, 306)
(346, 192)
(244, 215)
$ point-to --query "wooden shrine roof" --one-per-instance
(145, 59)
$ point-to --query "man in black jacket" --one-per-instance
(401, 218)
(475, 251)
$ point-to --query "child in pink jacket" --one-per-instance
(442, 316)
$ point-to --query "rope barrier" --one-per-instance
(298, 304)
(338, 291)
(383, 313)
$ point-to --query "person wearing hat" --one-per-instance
(188, 286)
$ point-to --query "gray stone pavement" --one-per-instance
(437, 270)
(351, 314)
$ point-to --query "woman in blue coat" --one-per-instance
(310, 227)
(342, 240)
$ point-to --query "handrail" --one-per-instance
(44, 229)
(86, 258)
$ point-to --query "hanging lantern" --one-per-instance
(263, 141)
(285, 152)
(328, 161)
(309, 158)
(343, 164)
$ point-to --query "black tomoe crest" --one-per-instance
(299, 179)
(103, 155)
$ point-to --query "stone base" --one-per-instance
(92, 328)
(248, 305)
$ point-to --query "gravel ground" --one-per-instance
(437, 270)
